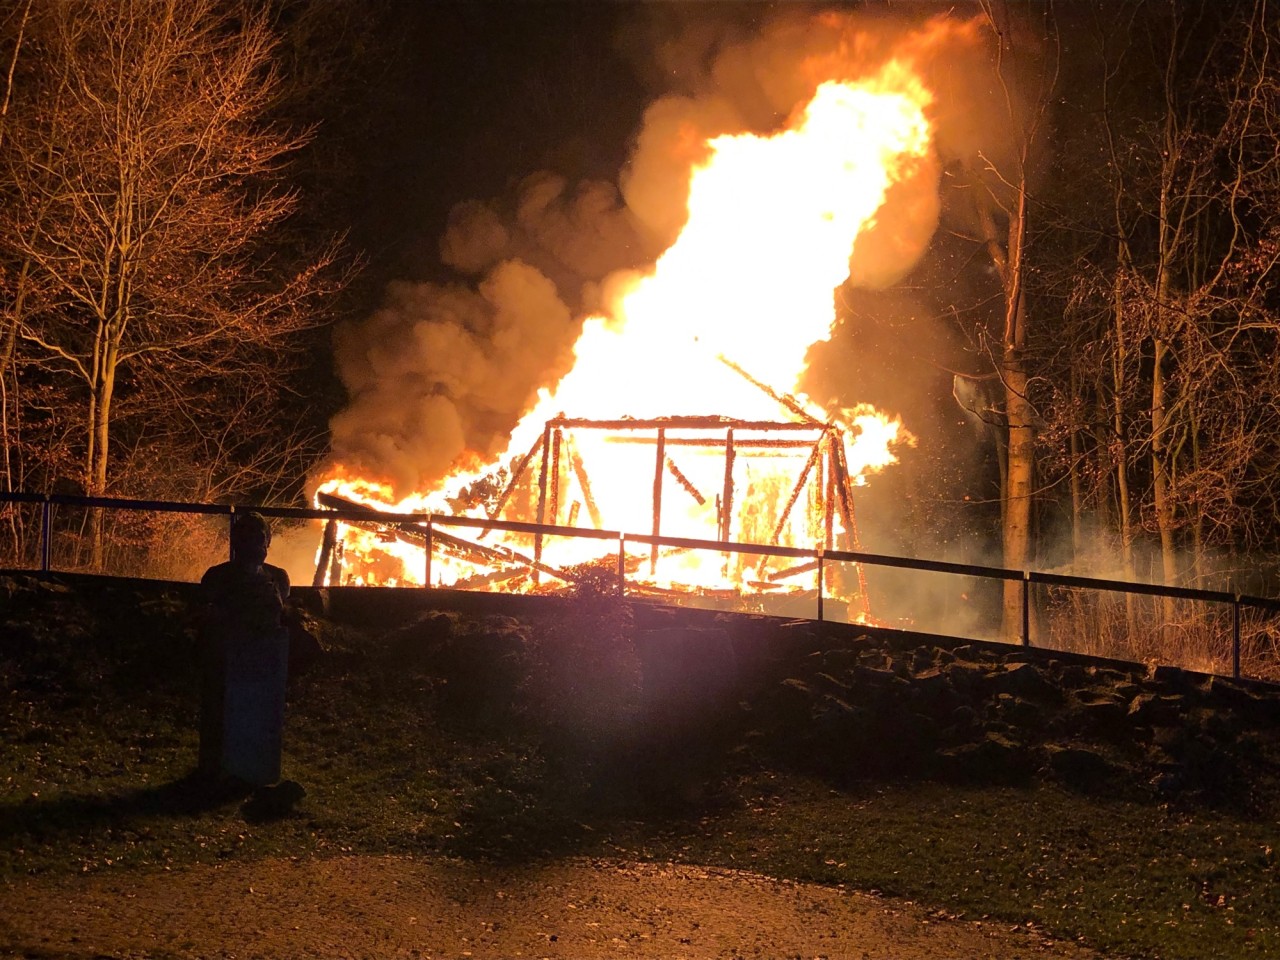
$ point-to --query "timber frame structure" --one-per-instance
(555, 456)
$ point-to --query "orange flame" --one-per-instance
(772, 221)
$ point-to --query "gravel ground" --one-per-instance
(388, 907)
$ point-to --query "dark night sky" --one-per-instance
(483, 94)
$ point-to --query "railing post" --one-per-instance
(1235, 637)
(426, 573)
(622, 564)
(821, 591)
(1026, 608)
(46, 533)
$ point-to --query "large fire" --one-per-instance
(688, 378)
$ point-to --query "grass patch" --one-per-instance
(1123, 876)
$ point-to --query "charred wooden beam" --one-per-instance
(795, 571)
(829, 504)
(416, 534)
(502, 553)
(845, 493)
(658, 465)
(335, 564)
(685, 482)
(795, 491)
(542, 495)
(726, 501)
(757, 443)
(580, 471)
(557, 440)
(489, 579)
(377, 519)
(642, 589)
(785, 399)
(410, 533)
(326, 553)
(516, 474)
(683, 423)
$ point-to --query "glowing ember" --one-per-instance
(721, 325)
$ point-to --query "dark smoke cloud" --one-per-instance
(570, 233)
(441, 371)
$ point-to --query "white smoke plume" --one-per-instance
(441, 373)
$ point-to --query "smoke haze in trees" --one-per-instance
(439, 374)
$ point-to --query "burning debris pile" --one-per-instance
(679, 415)
(703, 459)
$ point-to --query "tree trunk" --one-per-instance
(1077, 486)
(99, 445)
(1165, 509)
(1020, 471)
(1120, 449)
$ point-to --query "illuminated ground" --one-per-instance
(475, 786)
(407, 907)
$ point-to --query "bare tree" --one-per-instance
(1196, 224)
(145, 188)
(1170, 288)
(998, 192)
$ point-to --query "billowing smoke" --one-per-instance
(440, 373)
(442, 370)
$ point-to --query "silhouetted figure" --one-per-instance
(244, 660)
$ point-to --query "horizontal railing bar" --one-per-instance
(713, 441)
(17, 497)
(722, 546)
(933, 566)
(311, 513)
(517, 526)
(1123, 586)
(367, 513)
(684, 423)
(115, 503)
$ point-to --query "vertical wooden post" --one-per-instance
(726, 499)
(335, 566)
(556, 438)
(516, 474)
(657, 496)
(821, 589)
(820, 470)
(801, 481)
(580, 471)
(326, 552)
(542, 496)
(428, 547)
(1026, 608)
(844, 494)
(46, 534)
(829, 500)
(1235, 637)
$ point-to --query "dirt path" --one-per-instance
(388, 907)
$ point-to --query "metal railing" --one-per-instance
(820, 558)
